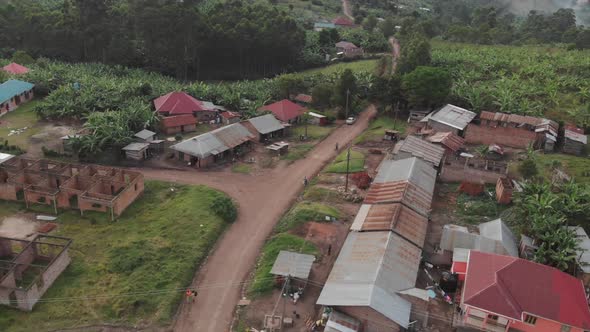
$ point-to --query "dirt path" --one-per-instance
(396, 52)
(262, 201)
(346, 9)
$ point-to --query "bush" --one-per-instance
(178, 137)
(528, 168)
(224, 207)
(22, 58)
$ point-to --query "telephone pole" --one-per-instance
(347, 94)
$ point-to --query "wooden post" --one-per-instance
(347, 169)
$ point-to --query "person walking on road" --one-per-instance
(189, 295)
(305, 181)
(194, 294)
(336, 147)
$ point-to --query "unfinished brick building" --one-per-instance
(511, 130)
(63, 185)
(29, 268)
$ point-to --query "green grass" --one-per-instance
(357, 66)
(357, 163)
(304, 212)
(297, 152)
(577, 167)
(306, 10)
(263, 281)
(377, 128)
(22, 117)
(156, 245)
(477, 209)
(313, 132)
(241, 168)
(319, 194)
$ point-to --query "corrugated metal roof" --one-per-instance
(495, 237)
(448, 139)
(5, 157)
(413, 170)
(403, 192)
(392, 217)
(201, 146)
(453, 116)
(292, 264)
(136, 147)
(339, 322)
(266, 124)
(576, 136)
(144, 134)
(13, 88)
(232, 135)
(584, 251)
(370, 269)
(423, 149)
(497, 230)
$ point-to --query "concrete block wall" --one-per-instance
(503, 136)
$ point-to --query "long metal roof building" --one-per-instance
(214, 142)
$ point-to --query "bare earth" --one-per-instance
(262, 200)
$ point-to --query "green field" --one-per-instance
(377, 128)
(18, 119)
(356, 66)
(577, 167)
(357, 163)
(313, 132)
(304, 212)
(152, 251)
(311, 11)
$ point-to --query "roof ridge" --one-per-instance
(512, 302)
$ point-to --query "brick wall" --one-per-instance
(371, 320)
(453, 173)
(129, 195)
(7, 192)
(504, 136)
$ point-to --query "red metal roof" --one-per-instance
(176, 103)
(448, 139)
(512, 286)
(303, 98)
(284, 110)
(177, 121)
(15, 68)
(341, 20)
(229, 115)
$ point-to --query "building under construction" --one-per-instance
(69, 186)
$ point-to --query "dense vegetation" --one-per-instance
(151, 252)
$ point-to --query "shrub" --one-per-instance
(528, 168)
(224, 207)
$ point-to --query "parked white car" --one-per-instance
(351, 120)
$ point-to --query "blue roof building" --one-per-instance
(13, 88)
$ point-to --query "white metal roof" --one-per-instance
(292, 264)
(266, 124)
(584, 251)
(369, 271)
(136, 146)
(576, 136)
(453, 116)
(494, 237)
(201, 146)
(412, 169)
(5, 157)
(316, 115)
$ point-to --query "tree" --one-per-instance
(321, 95)
(415, 52)
(427, 86)
(346, 89)
(370, 23)
(582, 40)
(22, 58)
(288, 85)
(388, 27)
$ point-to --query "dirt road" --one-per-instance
(262, 200)
(346, 9)
(395, 50)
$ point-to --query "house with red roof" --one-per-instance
(504, 293)
(181, 103)
(228, 117)
(343, 22)
(15, 69)
(285, 111)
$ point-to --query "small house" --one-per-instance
(450, 141)
(343, 22)
(574, 140)
(13, 93)
(348, 49)
(319, 26)
(171, 125)
(449, 118)
(181, 103)
(503, 293)
(228, 117)
(285, 111)
(15, 69)
(265, 127)
(413, 146)
(293, 265)
(145, 135)
(317, 119)
(504, 190)
(136, 151)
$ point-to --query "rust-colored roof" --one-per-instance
(392, 217)
(420, 148)
(303, 98)
(448, 139)
(284, 110)
(400, 192)
(511, 118)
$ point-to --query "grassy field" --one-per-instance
(577, 167)
(357, 163)
(153, 251)
(357, 66)
(263, 281)
(377, 128)
(311, 11)
(313, 132)
(241, 168)
(297, 152)
(304, 212)
(20, 118)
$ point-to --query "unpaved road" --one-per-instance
(396, 52)
(262, 200)
(346, 9)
